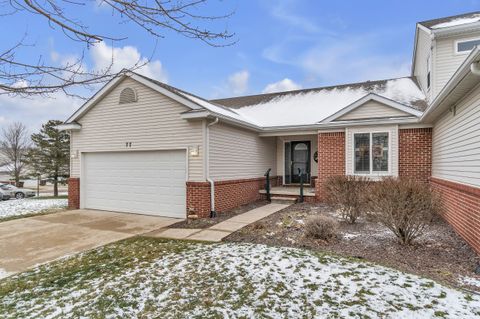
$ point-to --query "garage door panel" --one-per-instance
(136, 182)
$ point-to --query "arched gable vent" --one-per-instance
(128, 95)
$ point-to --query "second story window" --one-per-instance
(465, 46)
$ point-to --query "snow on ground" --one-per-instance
(3, 273)
(28, 206)
(470, 281)
(172, 279)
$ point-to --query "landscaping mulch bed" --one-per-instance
(208, 222)
(439, 254)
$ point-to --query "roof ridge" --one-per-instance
(316, 88)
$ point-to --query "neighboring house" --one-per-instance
(141, 146)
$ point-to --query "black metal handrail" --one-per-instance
(300, 174)
(267, 184)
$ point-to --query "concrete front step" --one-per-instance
(283, 200)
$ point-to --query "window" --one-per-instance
(466, 46)
(371, 153)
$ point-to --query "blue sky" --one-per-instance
(281, 45)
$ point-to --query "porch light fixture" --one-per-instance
(193, 151)
(74, 154)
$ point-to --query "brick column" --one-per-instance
(73, 193)
(331, 159)
(198, 199)
(415, 153)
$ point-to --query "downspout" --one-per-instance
(213, 213)
(475, 68)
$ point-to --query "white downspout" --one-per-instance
(475, 68)
(207, 159)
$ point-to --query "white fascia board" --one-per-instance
(289, 133)
(454, 81)
(195, 115)
(456, 30)
(69, 127)
(170, 94)
(371, 97)
(97, 96)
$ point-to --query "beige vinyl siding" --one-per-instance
(151, 123)
(447, 61)
(456, 143)
(372, 109)
(237, 153)
(424, 44)
(393, 150)
(281, 152)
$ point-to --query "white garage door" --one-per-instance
(151, 183)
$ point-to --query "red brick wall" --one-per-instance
(228, 194)
(461, 209)
(415, 153)
(73, 193)
(331, 159)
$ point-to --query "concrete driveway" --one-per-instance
(27, 242)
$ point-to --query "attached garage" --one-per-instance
(142, 182)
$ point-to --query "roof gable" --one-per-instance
(372, 106)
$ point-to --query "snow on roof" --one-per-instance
(305, 107)
(308, 107)
(452, 21)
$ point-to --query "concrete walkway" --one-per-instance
(27, 242)
(221, 230)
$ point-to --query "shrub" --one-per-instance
(406, 207)
(321, 227)
(346, 194)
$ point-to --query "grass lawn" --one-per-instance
(152, 278)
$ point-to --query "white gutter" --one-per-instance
(207, 159)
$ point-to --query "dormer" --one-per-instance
(441, 45)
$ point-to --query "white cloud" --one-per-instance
(340, 59)
(283, 85)
(36, 110)
(284, 11)
(238, 82)
(126, 57)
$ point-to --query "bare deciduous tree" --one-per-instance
(14, 145)
(19, 77)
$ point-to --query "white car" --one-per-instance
(16, 192)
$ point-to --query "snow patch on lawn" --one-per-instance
(241, 281)
(470, 281)
(28, 206)
(4, 273)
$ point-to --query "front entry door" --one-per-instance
(300, 159)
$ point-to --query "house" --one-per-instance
(142, 146)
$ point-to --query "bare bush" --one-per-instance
(404, 206)
(346, 194)
(321, 227)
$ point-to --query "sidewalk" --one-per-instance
(221, 230)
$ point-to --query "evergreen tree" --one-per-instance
(50, 154)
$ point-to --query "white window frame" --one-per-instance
(371, 171)
(456, 42)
